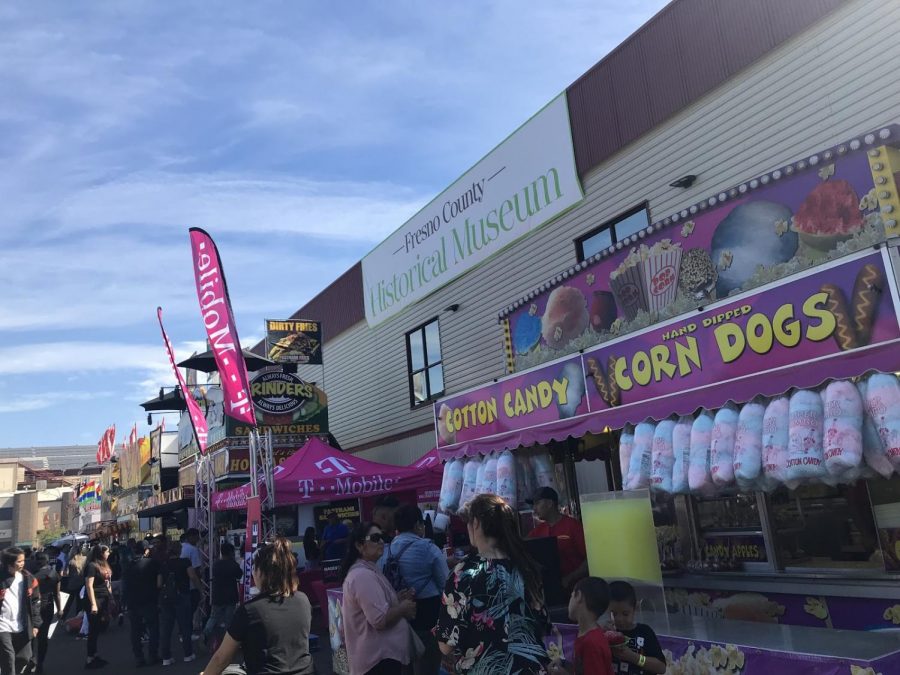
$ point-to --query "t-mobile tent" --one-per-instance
(318, 473)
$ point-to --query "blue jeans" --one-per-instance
(220, 614)
(171, 613)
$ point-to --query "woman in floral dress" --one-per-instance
(493, 618)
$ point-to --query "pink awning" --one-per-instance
(319, 473)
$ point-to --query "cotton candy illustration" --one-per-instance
(506, 478)
(626, 446)
(489, 486)
(776, 423)
(874, 452)
(721, 452)
(641, 457)
(805, 449)
(450, 493)
(701, 441)
(544, 474)
(748, 444)
(681, 447)
(843, 430)
(470, 481)
(883, 406)
(662, 458)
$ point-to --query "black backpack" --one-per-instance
(170, 591)
(392, 567)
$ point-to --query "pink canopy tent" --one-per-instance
(319, 473)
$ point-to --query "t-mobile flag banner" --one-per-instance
(251, 542)
(215, 306)
(198, 420)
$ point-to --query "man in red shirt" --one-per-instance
(568, 532)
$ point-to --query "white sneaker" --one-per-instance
(188, 659)
(168, 662)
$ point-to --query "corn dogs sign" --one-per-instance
(792, 333)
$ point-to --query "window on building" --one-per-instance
(617, 229)
(423, 357)
(6, 514)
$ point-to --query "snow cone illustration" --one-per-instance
(829, 215)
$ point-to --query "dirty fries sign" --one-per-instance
(523, 183)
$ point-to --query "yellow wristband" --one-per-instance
(642, 661)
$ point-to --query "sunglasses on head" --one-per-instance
(375, 538)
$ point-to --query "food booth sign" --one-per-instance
(839, 201)
(284, 404)
(294, 341)
(834, 321)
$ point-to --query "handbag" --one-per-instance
(416, 646)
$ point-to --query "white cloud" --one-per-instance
(298, 134)
(31, 402)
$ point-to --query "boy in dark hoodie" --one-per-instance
(20, 611)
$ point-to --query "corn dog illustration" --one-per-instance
(615, 392)
(599, 380)
(866, 294)
(844, 333)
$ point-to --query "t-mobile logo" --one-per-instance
(333, 464)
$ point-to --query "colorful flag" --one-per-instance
(215, 307)
(198, 420)
(110, 441)
(133, 438)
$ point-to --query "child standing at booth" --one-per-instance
(589, 601)
(642, 653)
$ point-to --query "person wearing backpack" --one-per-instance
(413, 563)
(175, 604)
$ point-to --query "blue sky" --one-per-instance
(298, 134)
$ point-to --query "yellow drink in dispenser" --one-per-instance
(620, 536)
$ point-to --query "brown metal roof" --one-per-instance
(338, 306)
(688, 49)
(685, 51)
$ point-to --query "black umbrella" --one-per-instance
(172, 400)
(206, 362)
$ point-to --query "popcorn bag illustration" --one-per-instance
(648, 278)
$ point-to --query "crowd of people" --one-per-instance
(407, 606)
(407, 609)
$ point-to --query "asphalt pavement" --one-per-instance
(66, 654)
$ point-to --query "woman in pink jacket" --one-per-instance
(376, 631)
